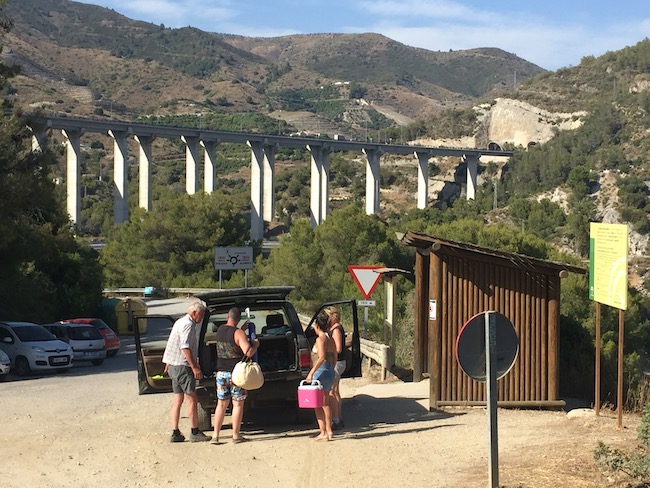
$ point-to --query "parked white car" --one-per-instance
(85, 340)
(31, 347)
(5, 365)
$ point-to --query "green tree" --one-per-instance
(47, 274)
(173, 244)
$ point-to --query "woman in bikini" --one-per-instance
(323, 371)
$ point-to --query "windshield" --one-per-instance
(33, 333)
(83, 333)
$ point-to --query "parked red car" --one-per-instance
(111, 338)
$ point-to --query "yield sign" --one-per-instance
(366, 278)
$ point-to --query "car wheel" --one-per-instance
(110, 354)
(305, 416)
(22, 366)
(205, 418)
(97, 362)
(3, 377)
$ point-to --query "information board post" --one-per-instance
(608, 283)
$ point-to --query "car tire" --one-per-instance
(205, 418)
(97, 362)
(22, 366)
(305, 416)
(110, 354)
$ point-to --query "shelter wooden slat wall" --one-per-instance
(455, 281)
(463, 287)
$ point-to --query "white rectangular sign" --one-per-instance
(433, 310)
(366, 303)
(233, 258)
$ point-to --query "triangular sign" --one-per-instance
(366, 278)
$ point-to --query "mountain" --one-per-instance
(78, 58)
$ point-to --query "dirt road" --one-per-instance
(90, 428)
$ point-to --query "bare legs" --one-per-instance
(219, 415)
(177, 403)
(335, 400)
(324, 419)
(236, 417)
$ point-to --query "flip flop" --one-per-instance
(239, 440)
(216, 442)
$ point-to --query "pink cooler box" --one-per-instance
(310, 396)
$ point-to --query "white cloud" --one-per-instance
(178, 13)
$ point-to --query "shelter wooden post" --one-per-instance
(420, 336)
(435, 296)
(553, 337)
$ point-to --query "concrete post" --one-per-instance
(209, 165)
(73, 173)
(191, 164)
(120, 176)
(257, 161)
(268, 186)
(320, 175)
(373, 179)
(144, 164)
(423, 179)
(472, 167)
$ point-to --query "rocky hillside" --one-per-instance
(77, 58)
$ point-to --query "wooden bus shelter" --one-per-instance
(455, 281)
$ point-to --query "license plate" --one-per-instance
(90, 354)
(62, 360)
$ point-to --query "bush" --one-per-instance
(635, 464)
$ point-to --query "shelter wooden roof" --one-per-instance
(424, 241)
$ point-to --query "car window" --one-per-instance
(5, 333)
(83, 333)
(100, 324)
(33, 333)
(58, 333)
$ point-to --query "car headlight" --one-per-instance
(3, 357)
(38, 349)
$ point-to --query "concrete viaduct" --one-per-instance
(262, 147)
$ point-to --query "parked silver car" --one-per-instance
(86, 341)
(5, 365)
(31, 347)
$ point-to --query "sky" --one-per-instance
(551, 34)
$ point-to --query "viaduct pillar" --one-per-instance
(73, 174)
(320, 181)
(120, 176)
(372, 180)
(257, 162)
(191, 164)
(472, 165)
(423, 179)
(144, 164)
(209, 165)
(268, 185)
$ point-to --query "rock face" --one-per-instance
(521, 124)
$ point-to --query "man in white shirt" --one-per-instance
(181, 358)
